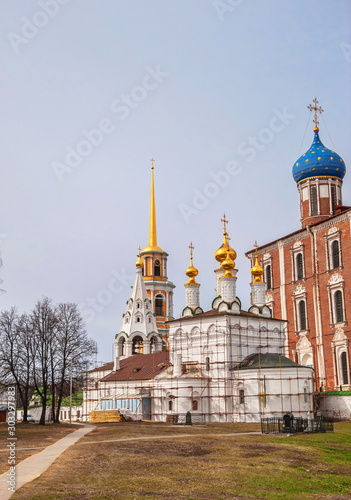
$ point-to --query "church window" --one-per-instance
(305, 395)
(344, 369)
(299, 266)
(138, 319)
(241, 396)
(268, 277)
(157, 268)
(334, 201)
(314, 205)
(302, 315)
(170, 405)
(194, 405)
(138, 304)
(121, 346)
(159, 305)
(207, 363)
(138, 345)
(150, 319)
(339, 310)
(335, 254)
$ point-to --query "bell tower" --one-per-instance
(154, 270)
(319, 175)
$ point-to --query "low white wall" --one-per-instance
(336, 407)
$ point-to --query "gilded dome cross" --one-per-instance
(315, 110)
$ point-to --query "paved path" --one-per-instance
(32, 467)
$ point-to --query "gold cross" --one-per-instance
(315, 110)
(139, 251)
(191, 250)
(152, 163)
(225, 222)
(256, 247)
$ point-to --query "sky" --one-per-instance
(215, 90)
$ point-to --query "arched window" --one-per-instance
(207, 363)
(314, 206)
(333, 197)
(241, 396)
(121, 346)
(157, 268)
(335, 254)
(268, 276)
(194, 405)
(159, 305)
(302, 315)
(338, 303)
(170, 405)
(344, 371)
(299, 267)
(138, 345)
(153, 343)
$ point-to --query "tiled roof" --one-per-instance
(268, 360)
(102, 368)
(139, 367)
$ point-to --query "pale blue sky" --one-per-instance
(201, 82)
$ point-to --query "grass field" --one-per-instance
(31, 436)
(209, 464)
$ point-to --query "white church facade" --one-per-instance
(222, 365)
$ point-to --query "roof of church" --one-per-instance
(215, 312)
(139, 367)
(102, 368)
(269, 360)
(318, 161)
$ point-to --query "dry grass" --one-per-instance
(31, 436)
(208, 465)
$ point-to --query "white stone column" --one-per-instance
(258, 294)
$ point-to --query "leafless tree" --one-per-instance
(15, 355)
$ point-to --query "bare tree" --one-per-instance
(43, 325)
(15, 355)
(75, 348)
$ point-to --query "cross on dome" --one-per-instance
(191, 247)
(315, 110)
(225, 222)
(152, 163)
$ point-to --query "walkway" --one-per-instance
(32, 467)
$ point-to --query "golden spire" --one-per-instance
(152, 224)
(191, 272)
(315, 110)
(139, 262)
(225, 250)
(257, 270)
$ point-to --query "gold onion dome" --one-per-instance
(257, 272)
(225, 250)
(228, 265)
(191, 271)
(139, 262)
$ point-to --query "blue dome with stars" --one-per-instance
(318, 161)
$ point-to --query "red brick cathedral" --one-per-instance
(308, 272)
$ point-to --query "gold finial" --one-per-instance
(139, 262)
(257, 270)
(225, 222)
(221, 253)
(315, 110)
(228, 264)
(191, 272)
(152, 224)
